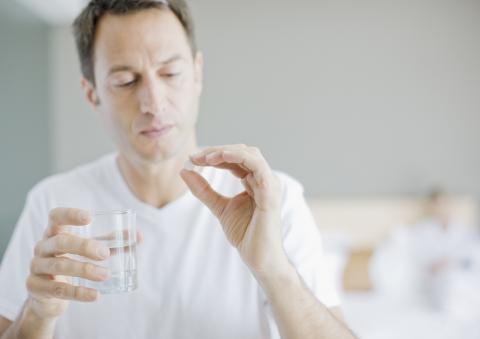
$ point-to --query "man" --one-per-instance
(223, 256)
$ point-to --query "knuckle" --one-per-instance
(87, 270)
(61, 241)
(34, 266)
(256, 150)
(79, 293)
(72, 214)
(37, 250)
(63, 291)
(87, 247)
(59, 291)
(30, 283)
(52, 215)
(55, 266)
(263, 183)
(54, 230)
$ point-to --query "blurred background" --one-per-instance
(374, 106)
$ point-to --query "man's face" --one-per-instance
(147, 83)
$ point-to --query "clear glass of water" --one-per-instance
(117, 230)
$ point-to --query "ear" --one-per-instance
(199, 71)
(90, 93)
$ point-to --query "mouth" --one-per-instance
(156, 132)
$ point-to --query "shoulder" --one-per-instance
(291, 187)
(73, 181)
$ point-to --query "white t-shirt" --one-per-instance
(192, 282)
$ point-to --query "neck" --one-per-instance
(156, 184)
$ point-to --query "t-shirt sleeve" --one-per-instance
(303, 244)
(16, 260)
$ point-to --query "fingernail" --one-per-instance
(103, 252)
(91, 294)
(84, 216)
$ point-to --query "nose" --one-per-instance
(152, 96)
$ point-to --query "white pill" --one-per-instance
(188, 165)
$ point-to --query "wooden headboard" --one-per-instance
(368, 221)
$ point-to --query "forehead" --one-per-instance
(156, 33)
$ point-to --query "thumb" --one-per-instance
(204, 192)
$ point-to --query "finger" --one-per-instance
(68, 267)
(250, 180)
(48, 288)
(247, 186)
(204, 192)
(64, 243)
(61, 217)
(252, 160)
(235, 169)
(211, 154)
(211, 149)
(238, 169)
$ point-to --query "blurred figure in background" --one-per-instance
(441, 247)
(434, 263)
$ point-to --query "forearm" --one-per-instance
(29, 326)
(297, 312)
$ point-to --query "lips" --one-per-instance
(156, 132)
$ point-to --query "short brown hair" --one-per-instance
(85, 25)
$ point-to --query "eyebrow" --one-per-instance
(123, 68)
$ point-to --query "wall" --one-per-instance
(24, 109)
(77, 134)
(352, 98)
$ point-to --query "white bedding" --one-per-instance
(374, 317)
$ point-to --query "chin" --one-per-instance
(159, 153)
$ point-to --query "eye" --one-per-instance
(124, 79)
(171, 75)
(127, 84)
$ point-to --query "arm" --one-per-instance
(48, 285)
(252, 223)
(302, 316)
(4, 324)
(27, 325)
